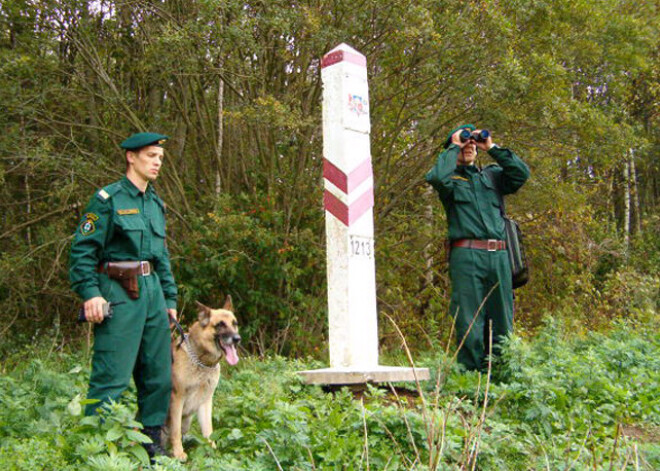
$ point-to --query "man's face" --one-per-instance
(146, 162)
(468, 154)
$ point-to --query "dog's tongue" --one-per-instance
(230, 354)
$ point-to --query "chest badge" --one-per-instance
(124, 212)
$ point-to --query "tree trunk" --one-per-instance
(28, 209)
(613, 200)
(635, 194)
(626, 207)
(218, 152)
(428, 248)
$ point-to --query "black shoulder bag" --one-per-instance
(514, 244)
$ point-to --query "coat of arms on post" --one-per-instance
(358, 105)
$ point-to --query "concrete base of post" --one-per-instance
(377, 374)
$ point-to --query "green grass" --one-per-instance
(554, 402)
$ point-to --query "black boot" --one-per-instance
(153, 449)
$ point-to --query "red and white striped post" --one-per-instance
(348, 200)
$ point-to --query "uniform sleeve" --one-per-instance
(440, 175)
(87, 248)
(167, 283)
(514, 172)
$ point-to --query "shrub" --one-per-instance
(276, 279)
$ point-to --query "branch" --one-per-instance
(35, 220)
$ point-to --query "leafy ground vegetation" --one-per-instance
(557, 402)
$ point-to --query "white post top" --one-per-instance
(344, 47)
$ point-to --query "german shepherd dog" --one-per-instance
(196, 372)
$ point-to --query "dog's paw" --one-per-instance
(180, 455)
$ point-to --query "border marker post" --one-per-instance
(348, 200)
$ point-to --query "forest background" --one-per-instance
(571, 85)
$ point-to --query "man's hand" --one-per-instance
(172, 312)
(487, 144)
(94, 309)
(455, 139)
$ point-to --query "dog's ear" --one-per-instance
(204, 314)
(228, 304)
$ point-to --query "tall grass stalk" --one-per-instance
(272, 453)
(436, 432)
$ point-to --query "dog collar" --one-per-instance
(194, 358)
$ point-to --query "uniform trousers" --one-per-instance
(474, 273)
(135, 341)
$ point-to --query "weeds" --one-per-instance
(552, 403)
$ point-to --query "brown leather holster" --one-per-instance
(126, 273)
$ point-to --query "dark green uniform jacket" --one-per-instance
(469, 195)
(121, 224)
(482, 296)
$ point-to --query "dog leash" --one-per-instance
(184, 337)
(186, 345)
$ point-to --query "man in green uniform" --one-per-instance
(479, 267)
(119, 255)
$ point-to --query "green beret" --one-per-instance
(143, 139)
(471, 127)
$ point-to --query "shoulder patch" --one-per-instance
(160, 203)
(107, 192)
(87, 226)
(491, 167)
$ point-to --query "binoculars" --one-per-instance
(478, 136)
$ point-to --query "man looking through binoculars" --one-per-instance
(479, 266)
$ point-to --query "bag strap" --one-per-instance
(491, 177)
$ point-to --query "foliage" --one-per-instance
(570, 85)
(557, 402)
(276, 280)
